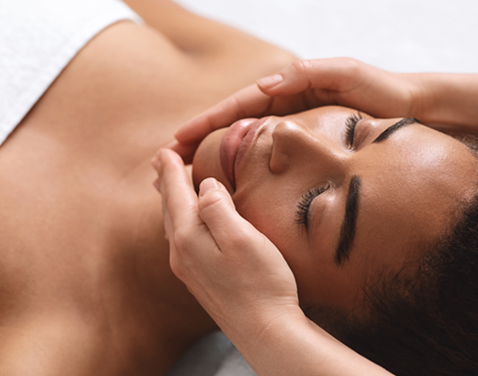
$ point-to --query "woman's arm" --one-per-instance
(244, 283)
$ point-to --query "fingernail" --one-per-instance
(160, 155)
(208, 185)
(270, 81)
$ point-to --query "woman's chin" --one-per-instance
(207, 162)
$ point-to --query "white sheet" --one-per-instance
(399, 35)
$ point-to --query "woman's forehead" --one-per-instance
(411, 192)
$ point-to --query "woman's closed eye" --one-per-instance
(350, 125)
(302, 212)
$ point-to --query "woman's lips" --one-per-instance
(230, 145)
(235, 144)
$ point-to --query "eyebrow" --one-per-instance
(390, 130)
(349, 225)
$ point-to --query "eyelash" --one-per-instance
(304, 205)
(307, 198)
(350, 125)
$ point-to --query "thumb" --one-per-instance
(216, 209)
(337, 74)
(291, 80)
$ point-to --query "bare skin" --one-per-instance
(411, 184)
(86, 284)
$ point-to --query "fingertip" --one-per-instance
(174, 146)
(212, 184)
(291, 80)
(208, 185)
(213, 193)
(182, 133)
(185, 151)
(269, 82)
(165, 154)
(167, 162)
(159, 154)
(155, 163)
(186, 134)
(160, 159)
(223, 187)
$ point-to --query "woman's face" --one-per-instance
(343, 198)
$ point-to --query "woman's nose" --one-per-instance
(295, 147)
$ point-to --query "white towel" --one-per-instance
(37, 40)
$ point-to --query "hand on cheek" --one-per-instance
(232, 269)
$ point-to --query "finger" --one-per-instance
(330, 74)
(179, 198)
(229, 229)
(186, 152)
(167, 222)
(248, 102)
(211, 184)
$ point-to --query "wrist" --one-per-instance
(290, 343)
(445, 101)
(418, 96)
(258, 320)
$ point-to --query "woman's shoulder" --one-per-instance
(38, 40)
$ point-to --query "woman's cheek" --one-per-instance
(267, 213)
(206, 162)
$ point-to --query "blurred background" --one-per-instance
(405, 35)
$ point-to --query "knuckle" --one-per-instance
(350, 65)
(301, 66)
(235, 103)
(346, 72)
(211, 201)
(350, 61)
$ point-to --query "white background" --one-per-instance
(405, 35)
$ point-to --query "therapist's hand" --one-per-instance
(232, 269)
(307, 84)
(243, 282)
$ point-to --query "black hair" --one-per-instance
(422, 320)
(428, 325)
